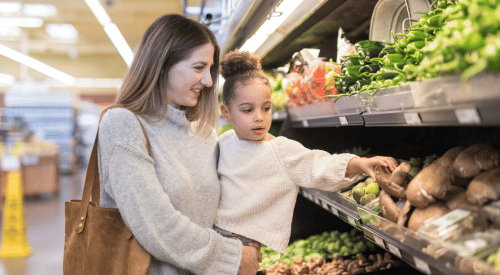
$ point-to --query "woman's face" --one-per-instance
(250, 111)
(188, 77)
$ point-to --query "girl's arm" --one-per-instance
(367, 165)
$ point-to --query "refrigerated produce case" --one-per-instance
(415, 119)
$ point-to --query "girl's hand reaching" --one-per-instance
(367, 165)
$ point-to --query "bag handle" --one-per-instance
(92, 183)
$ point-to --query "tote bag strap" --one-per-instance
(92, 183)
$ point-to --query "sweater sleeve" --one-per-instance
(313, 168)
(146, 209)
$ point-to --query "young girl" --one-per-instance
(260, 174)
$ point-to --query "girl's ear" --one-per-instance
(225, 113)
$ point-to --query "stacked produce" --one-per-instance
(358, 264)
(278, 96)
(326, 245)
(364, 192)
(309, 82)
(460, 178)
(467, 40)
(388, 64)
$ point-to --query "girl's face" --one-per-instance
(188, 77)
(250, 111)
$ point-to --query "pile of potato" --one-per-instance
(338, 266)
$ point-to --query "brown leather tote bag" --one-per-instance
(97, 241)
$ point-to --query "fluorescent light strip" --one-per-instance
(269, 26)
(120, 43)
(112, 31)
(37, 65)
(7, 79)
(99, 11)
(25, 22)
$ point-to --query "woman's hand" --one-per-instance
(367, 165)
(250, 258)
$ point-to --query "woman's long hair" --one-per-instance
(169, 40)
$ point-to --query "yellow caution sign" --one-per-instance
(14, 241)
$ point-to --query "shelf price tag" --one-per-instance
(351, 220)
(343, 120)
(422, 266)
(335, 211)
(324, 205)
(317, 201)
(394, 250)
(378, 241)
(412, 118)
(305, 123)
(467, 116)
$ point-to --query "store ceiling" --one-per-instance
(132, 18)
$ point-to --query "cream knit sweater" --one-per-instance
(169, 200)
(260, 182)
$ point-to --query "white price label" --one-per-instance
(412, 118)
(324, 205)
(394, 250)
(351, 220)
(343, 120)
(305, 123)
(468, 116)
(29, 160)
(316, 200)
(335, 211)
(378, 241)
(422, 266)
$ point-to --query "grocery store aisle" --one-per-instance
(44, 216)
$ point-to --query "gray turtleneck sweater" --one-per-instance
(169, 200)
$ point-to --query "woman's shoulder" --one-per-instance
(117, 122)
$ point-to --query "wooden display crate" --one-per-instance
(39, 175)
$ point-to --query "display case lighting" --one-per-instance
(36, 65)
(282, 11)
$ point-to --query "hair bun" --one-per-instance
(237, 62)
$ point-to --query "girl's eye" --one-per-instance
(247, 111)
(266, 109)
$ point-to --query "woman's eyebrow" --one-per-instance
(201, 63)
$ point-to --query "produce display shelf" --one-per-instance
(279, 115)
(442, 101)
(421, 253)
(334, 203)
(414, 257)
(329, 121)
(484, 113)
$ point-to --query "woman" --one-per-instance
(169, 199)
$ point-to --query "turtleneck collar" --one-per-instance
(177, 116)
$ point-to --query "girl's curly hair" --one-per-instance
(237, 68)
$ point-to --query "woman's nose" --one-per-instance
(207, 79)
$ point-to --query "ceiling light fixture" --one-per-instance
(62, 31)
(282, 11)
(37, 65)
(9, 7)
(7, 79)
(42, 10)
(120, 43)
(111, 30)
(22, 22)
(98, 11)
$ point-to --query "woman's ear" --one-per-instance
(225, 113)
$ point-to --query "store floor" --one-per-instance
(44, 217)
